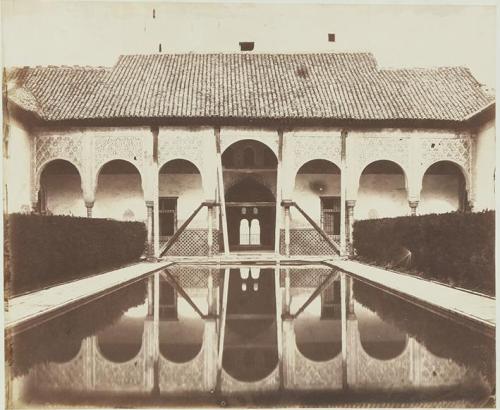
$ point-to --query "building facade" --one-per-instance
(238, 152)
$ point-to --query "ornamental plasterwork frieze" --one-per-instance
(186, 146)
(458, 150)
(67, 147)
(370, 149)
(111, 147)
(310, 147)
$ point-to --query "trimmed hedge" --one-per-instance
(45, 250)
(455, 248)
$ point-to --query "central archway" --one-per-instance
(251, 216)
(249, 174)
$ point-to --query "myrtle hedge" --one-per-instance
(454, 248)
(44, 250)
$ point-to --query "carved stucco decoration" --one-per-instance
(52, 147)
(457, 150)
(310, 147)
(186, 146)
(111, 147)
(365, 150)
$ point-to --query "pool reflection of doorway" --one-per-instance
(250, 342)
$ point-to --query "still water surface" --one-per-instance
(251, 336)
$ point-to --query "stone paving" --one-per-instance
(471, 306)
(25, 308)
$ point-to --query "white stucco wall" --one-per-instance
(17, 169)
(189, 190)
(63, 195)
(439, 194)
(484, 167)
(309, 200)
(117, 193)
(381, 195)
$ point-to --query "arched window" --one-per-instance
(244, 232)
(254, 232)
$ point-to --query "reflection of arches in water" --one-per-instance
(318, 329)
(122, 341)
(250, 343)
(181, 328)
(250, 365)
(68, 353)
(379, 339)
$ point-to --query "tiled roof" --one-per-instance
(254, 86)
(55, 93)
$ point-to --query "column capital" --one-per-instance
(89, 204)
(351, 203)
(150, 204)
(286, 203)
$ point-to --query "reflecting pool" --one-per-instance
(265, 336)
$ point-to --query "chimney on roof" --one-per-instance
(331, 37)
(246, 45)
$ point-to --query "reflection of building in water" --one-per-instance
(170, 343)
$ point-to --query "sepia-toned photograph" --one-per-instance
(248, 204)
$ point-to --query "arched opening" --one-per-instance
(250, 342)
(382, 191)
(380, 339)
(251, 216)
(180, 193)
(318, 329)
(122, 341)
(249, 170)
(61, 190)
(443, 189)
(119, 192)
(317, 191)
(181, 328)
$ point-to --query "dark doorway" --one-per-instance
(251, 215)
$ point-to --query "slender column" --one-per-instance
(279, 328)
(286, 205)
(150, 249)
(279, 173)
(220, 185)
(156, 333)
(150, 297)
(350, 219)
(155, 190)
(413, 207)
(343, 312)
(89, 206)
(287, 293)
(210, 224)
(343, 181)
